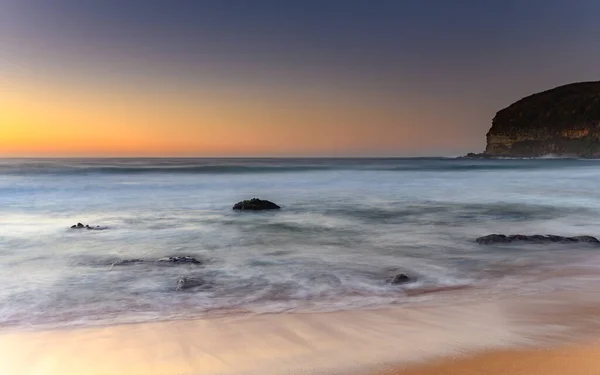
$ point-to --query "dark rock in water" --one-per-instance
(472, 155)
(492, 238)
(537, 238)
(501, 238)
(180, 260)
(255, 204)
(169, 260)
(185, 282)
(89, 227)
(127, 262)
(518, 237)
(400, 279)
(552, 238)
(588, 239)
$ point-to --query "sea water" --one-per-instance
(345, 227)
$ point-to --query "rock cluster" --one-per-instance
(180, 260)
(89, 227)
(166, 260)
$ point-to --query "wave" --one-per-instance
(453, 213)
(161, 170)
(246, 166)
(117, 170)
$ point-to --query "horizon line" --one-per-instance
(227, 157)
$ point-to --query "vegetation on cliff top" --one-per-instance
(558, 109)
(563, 121)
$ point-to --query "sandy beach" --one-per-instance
(572, 360)
(325, 343)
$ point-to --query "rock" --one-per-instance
(97, 227)
(472, 155)
(553, 238)
(501, 238)
(564, 121)
(400, 279)
(89, 227)
(127, 262)
(255, 204)
(537, 238)
(166, 260)
(185, 282)
(492, 238)
(588, 239)
(180, 260)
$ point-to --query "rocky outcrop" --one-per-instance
(255, 204)
(166, 260)
(400, 278)
(186, 282)
(180, 260)
(127, 262)
(564, 121)
(493, 239)
(81, 226)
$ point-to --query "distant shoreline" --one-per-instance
(472, 156)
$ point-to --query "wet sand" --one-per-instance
(317, 343)
(569, 360)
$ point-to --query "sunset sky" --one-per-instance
(278, 78)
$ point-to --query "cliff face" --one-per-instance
(562, 121)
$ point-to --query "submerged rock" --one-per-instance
(586, 239)
(501, 238)
(185, 282)
(126, 262)
(400, 278)
(255, 204)
(180, 260)
(492, 238)
(166, 260)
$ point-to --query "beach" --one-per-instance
(305, 289)
(575, 360)
(509, 336)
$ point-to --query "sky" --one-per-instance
(278, 78)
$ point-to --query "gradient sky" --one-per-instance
(278, 78)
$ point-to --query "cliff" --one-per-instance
(564, 121)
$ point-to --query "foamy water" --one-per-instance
(345, 227)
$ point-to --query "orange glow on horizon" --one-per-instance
(52, 120)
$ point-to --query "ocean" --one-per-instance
(346, 226)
